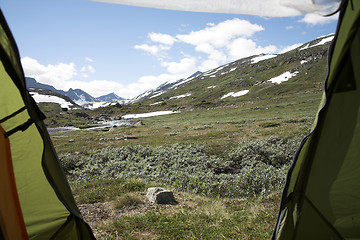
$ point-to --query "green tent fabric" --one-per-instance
(36, 202)
(321, 196)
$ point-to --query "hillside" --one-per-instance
(252, 78)
(253, 83)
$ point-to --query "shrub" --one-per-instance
(251, 168)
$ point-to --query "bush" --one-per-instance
(251, 168)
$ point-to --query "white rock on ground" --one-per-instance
(160, 195)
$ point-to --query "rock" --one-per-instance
(71, 140)
(129, 137)
(139, 123)
(112, 128)
(160, 195)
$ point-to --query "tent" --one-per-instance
(322, 191)
(35, 199)
(321, 195)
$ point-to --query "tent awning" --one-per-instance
(266, 8)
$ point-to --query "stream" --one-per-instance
(103, 124)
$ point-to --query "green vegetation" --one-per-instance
(252, 168)
(225, 159)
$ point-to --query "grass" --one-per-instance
(194, 217)
(104, 189)
(218, 128)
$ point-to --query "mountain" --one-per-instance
(109, 97)
(32, 83)
(79, 96)
(163, 87)
(245, 80)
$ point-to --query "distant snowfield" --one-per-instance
(94, 105)
(47, 98)
(151, 114)
(235, 94)
(322, 42)
(158, 94)
(181, 96)
(283, 77)
(261, 58)
(156, 103)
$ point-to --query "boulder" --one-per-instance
(138, 124)
(160, 195)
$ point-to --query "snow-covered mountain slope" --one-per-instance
(64, 103)
(77, 95)
(245, 77)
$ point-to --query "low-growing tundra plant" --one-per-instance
(251, 168)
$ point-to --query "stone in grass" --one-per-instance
(160, 195)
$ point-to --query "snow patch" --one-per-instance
(94, 105)
(305, 47)
(283, 77)
(49, 98)
(235, 94)
(303, 61)
(211, 87)
(158, 94)
(181, 96)
(323, 41)
(211, 72)
(261, 58)
(155, 103)
(151, 114)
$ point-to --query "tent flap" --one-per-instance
(36, 199)
(325, 174)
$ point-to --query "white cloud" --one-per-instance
(207, 65)
(165, 39)
(95, 88)
(89, 59)
(185, 66)
(88, 68)
(289, 27)
(289, 48)
(219, 35)
(317, 19)
(223, 42)
(242, 47)
(91, 68)
(156, 50)
(50, 74)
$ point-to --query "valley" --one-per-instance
(224, 150)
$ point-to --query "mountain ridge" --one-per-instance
(76, 95)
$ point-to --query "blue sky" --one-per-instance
(102, 47)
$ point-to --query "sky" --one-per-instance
(103, 47)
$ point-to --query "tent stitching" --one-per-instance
(21, 127)
(13, 114)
